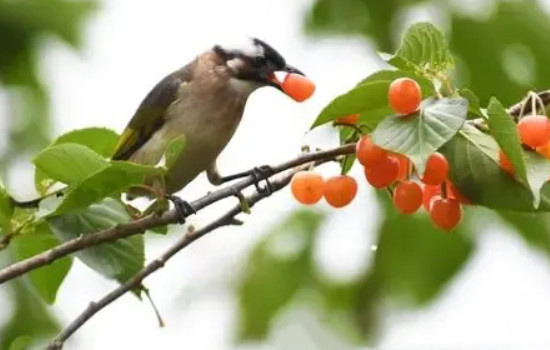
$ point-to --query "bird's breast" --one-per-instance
(208, 123)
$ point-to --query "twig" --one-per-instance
(524, 106)
(188, 238)
(170, 217)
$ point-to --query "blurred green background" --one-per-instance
(502, 49)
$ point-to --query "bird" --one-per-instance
(204, 101)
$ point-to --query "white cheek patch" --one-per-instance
(236, 64)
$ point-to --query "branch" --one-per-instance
(134, 282)
(525, 105)
(148, 222)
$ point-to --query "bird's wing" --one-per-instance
(150, 115)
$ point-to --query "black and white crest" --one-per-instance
(251, 48)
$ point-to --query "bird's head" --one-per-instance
(254, 63)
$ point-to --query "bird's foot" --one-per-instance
(260, 174)
(183, 208)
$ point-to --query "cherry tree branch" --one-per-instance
(189, 237)
(525, 106)
(141, 225)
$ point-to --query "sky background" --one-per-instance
(499, 301)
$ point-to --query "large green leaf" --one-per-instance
(100, 140)
(47, 279)
(426, 85)
(372, 96)
(118, 260)
(423, 50)
(422, 133)
(109, 181)
(278, 268)
(475, 170)
(369, 98)
(30, 321)
(69, 162)
(505, 132)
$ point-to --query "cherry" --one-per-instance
(368, 153)
(404, 95)
(340, 190)
(298, 87)
(407, 197)
(534, 130)
(445, 212)
(436, 171)
(403, 166)
(428, 193)
(382, 173)
(307, 187)
(350, 119)
(505, 163)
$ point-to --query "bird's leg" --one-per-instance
(183, 208)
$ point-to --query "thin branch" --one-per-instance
(525, 106)
(148, 222)
(189, 237)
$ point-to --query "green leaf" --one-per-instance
(109, 181)
(47, 279)
(278, 268)
(538, 168)
(369, 98)
(363, 98)
(117, 260)
(29, 318)
(6, 210)
(426, 85)
(100, 140)
(474, 106)
(173, 150)
(505, 132)
(423, 50)
(421, 134)
(69, 163)
(475, 170)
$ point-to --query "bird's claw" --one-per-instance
(183, 208)
(262, 173)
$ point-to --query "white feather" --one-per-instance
(245, 46)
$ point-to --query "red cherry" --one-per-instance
(445, 212)
(407, 197)
(368, 153)
(404, 95)
(383, 173)
(436, 171)
(307, 187)
(534, 130)
(298, 87)
(340, 190)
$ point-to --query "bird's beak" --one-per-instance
(275, 82)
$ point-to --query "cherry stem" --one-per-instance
(353, 126)
(444, 189)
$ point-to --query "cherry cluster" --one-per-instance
(386, 169)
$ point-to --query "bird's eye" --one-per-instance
(259, 61)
